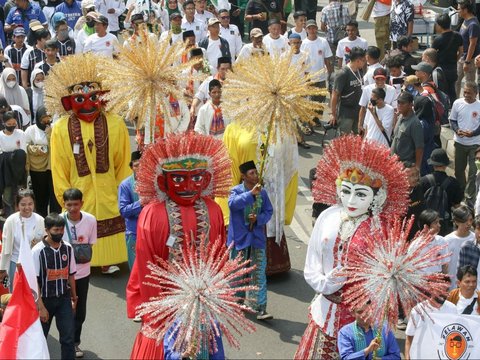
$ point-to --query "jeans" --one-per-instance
(81, 311)
(465, 155)
(131, 245)
(61, 309)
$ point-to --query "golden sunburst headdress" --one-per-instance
(146, 73)
(75, 74)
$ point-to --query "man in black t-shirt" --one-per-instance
(346, 93)
(259, 12)
(449, 46)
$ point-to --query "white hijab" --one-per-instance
(16, 95)
(37, 93)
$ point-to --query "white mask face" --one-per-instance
(39, 84)
(11, 84)
(356, 199)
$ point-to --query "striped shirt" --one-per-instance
(53, 267)
(15, 56)
(31, 58)
(66, 48)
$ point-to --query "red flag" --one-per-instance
(20, 314)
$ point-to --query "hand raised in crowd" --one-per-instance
(256, 189)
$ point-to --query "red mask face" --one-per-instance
(87, 106)
(184, 187)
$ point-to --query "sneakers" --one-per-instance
(107, 270)
(263, 315)
(401, 324)
(78, 352)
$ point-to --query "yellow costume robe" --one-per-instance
(281, 174)
(94, 157)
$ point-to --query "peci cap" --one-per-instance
(311, 23)
(101, 19)
(212, 21)
(224, 60)
(249, 165)
(187, 33)
(137, 17)
(19, 31)
(256, 33)
(196, 52)
(438, 157)
(379, 73)
(175, 15)
(423, 66)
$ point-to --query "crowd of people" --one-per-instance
(389, 94)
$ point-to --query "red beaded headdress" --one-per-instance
(362, 162)
(185, 152)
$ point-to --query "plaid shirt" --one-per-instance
(469, 254)
(333, 17)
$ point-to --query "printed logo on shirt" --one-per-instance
(107, 43)
(69, 48)
(320, 52)
(64, 257)
(456, 342)
(232, 32)
(474, 114)
(81, 238)
(57, 274)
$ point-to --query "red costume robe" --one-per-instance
(153, 231)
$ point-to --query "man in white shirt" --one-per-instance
(466, 298)
(230, 33)
(379, 119)
(175, 29)
(274, 42)
(346, 44)
(201, 14)
(372, 56)
(465, 122)
(255, 47)
(102, 42)
(111, 9)
(320, 57)
(210, 119)
(300, 19)
(214, 45)
(85, 31)
(190, 23)
(380, 78)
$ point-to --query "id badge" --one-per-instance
(171, 240)
(76, 148)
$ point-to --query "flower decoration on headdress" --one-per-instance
(77, 74)
(353, 159)
(185, 152)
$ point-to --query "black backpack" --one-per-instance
(436, 197)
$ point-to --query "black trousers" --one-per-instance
(81, 312)
(451, 77)
(42, 185)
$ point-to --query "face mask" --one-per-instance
(56, 237)
(477, 164)
(373, 102)
(90, 23)
(39, 84)
(62, 35)
(11, 84)
(176, 29)
(10, 128)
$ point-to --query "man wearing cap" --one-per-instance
(189, 42)
(255, 47)
(346, 44)
(408, 140)
(380, 77)
(102, 42)
(250, 210)
(111, 9)
(320, 57)
(230, 33)
(214, 45)
(423, 71)
(130, 206)
(21, 15)
(16, 50)
(190, 23)
(72, 10)
(175, 29)
(274, 42)
(85, 30)
(465, 122)
(439, 161)
(405, 46)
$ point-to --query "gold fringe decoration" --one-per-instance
(146, 72)
(74, 69)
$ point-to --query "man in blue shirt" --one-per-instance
(130, 207)
(72, 10)
(250, 210)
(22, 14)
(358, 340)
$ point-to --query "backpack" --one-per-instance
(441, 104)
(436, 197)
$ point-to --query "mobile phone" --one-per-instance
(398, 81)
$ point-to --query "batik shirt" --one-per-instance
(334, 17)
(402, 13)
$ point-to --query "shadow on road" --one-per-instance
(301, 291)
(55, 352)
(114, 283)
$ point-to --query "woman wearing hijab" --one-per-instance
(423, 108)
(36, 79)
(13, 93)
(38, 149)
